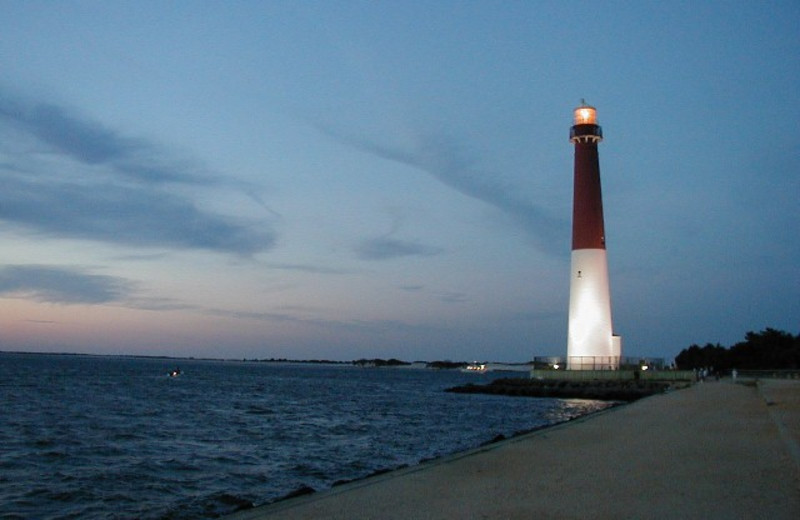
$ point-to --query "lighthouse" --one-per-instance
(591, 344)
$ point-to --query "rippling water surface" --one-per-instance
(104, 437)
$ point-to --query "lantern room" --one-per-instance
(585, 115)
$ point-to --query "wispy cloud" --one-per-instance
(69, 177)
(125, 215)
(92, 143)
(53, 284)
(71, 285)
(454, 297)
(386, 248)
(451, 165)
(307, 268)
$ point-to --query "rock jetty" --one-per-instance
(629, 390)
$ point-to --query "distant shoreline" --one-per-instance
(367, 363)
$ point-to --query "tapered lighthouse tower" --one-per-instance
(590, 343)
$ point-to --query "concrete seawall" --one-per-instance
(715, 450)
(614, 375)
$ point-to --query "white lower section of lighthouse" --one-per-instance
(590, 341)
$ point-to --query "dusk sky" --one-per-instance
(391, 179)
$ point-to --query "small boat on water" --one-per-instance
(476, 368)
(175, 372)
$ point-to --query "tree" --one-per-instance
(769, 349)
(708, 356)
(766, 350)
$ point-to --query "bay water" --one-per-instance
(96, 437)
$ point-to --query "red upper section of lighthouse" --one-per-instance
(588, 230)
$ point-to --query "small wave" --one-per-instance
(178, 465)
(52, 455)
(259, 410)
(43, 443)
(127, 436)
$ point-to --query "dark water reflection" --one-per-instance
(97, 437)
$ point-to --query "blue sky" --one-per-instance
(390, 179)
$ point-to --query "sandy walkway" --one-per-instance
(716, 450)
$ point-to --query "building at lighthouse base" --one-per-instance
(591, 344)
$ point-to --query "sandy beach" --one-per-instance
(715, 450)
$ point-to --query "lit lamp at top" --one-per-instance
(585, 115)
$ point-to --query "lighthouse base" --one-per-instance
(590, 341)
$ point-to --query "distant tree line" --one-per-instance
(397, 363)
(446, 365)
(380, 362)
(309, 361)
(769, 349)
